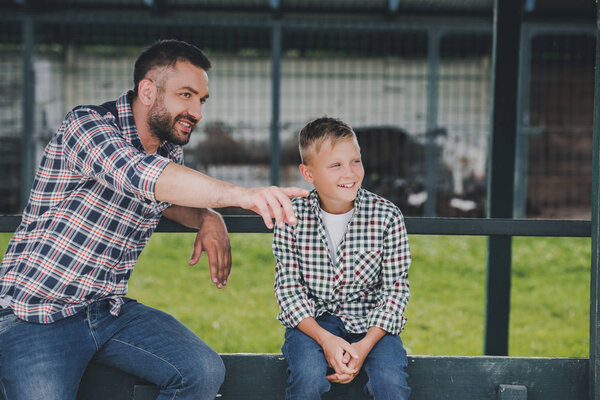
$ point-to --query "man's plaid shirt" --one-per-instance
(91, 211)
(366, 286)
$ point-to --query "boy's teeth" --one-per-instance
(348, 185)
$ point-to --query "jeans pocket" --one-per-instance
(8, 320)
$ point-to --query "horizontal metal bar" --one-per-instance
(107, 17)
(497, 227)
(473, 24)
(536, 28)
(414, 226)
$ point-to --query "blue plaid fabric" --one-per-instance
(367, 283)
(91, 211)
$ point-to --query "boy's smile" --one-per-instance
(336, 171)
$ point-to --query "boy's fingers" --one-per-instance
(346, 358)
(342, 368)
(340, 378)
(350, 350)
(333, 377)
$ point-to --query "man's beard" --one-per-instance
(163, 126)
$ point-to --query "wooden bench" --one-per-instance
(263, 377)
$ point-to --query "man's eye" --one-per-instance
(335, 165)
(357, 161)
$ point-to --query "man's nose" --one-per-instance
(196, 112)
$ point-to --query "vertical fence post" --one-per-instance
(431, 153)
(523, 131)
(27, 134)
(275, 145)
(507, 27)
(594, 375)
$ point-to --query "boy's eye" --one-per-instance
(357, 161)
(186, 95)
(203, 100)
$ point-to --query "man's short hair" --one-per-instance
(316, 132)
(166, 53)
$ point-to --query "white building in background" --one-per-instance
(375, 91)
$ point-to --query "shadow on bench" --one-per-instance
(263, 377)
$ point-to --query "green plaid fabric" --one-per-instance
(366, 285)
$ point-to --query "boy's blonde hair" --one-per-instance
(316, 132)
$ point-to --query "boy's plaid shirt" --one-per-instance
(90, 213)
(368, 283)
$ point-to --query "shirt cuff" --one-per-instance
(294, 314)
(390, 322)
(151, 167)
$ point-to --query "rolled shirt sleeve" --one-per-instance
(395, 290)
(95, 149)
(290, 290)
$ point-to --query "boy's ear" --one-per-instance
(306, 173)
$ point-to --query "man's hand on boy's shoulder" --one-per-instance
(272, 203)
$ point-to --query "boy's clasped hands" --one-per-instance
(345, 358)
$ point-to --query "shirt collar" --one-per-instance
(129, 130)
(315, 204)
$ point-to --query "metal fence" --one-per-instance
(417, 94)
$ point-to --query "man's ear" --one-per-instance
(147, 92)
(306, 173)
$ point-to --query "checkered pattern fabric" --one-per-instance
(366, 285)
(91, 211)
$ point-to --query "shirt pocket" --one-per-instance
(366, 271)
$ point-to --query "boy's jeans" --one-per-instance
(46, 362)
(385, 365)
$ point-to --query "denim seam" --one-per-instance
(3, 389)
(6, 326)
(89, 322)
(160, 358)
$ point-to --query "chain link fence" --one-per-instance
(417, 95)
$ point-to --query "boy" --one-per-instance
(342, 274)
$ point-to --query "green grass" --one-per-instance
(549, 304)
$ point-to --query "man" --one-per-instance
(105, 179)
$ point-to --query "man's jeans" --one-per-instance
(385, 365)
(46, 362)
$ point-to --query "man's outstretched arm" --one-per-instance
(186, 187)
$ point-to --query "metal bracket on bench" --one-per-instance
(512, 392)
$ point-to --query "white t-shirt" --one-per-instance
(335, 227)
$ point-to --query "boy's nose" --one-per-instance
(349, 172)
